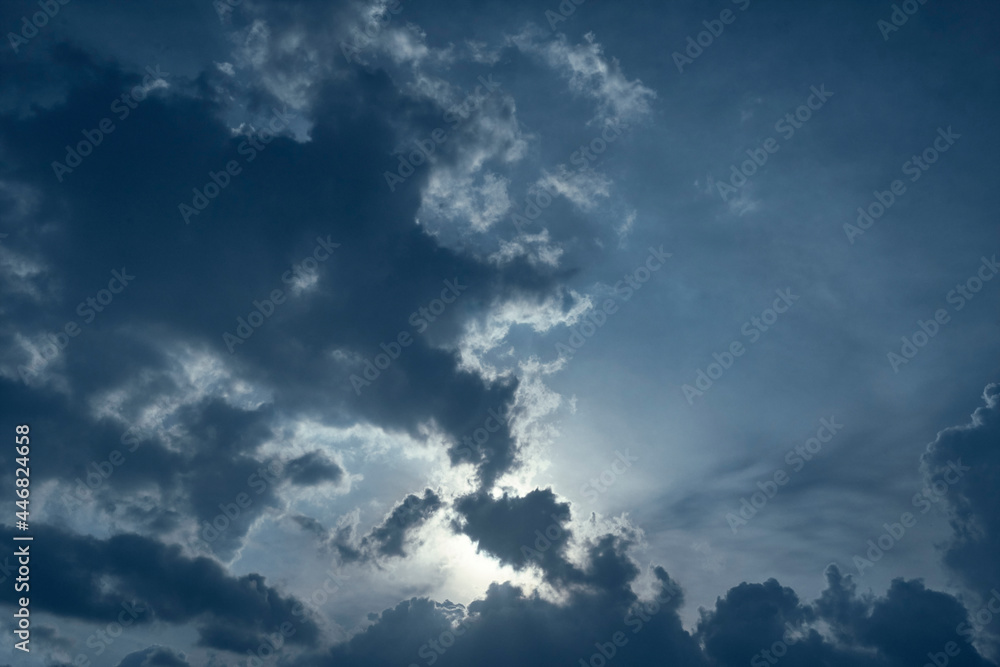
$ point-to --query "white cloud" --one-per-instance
(480, 52)
(457, 198)
(480, 202)
(590, 74)
(484, 336)
(284, 63)
(624, 228)
(536, 248)
(534, 404)
(404, 45)
(581, 187)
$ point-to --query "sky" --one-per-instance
(401, 333)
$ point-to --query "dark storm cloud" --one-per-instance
(520, 531)
(78, 439)
(90, 579)
(194, 281)
(744, 620)
(343, 541)
(509, 627)
(223, 478)
(311, 525)
(764, 624)
(898, 629)
(201, 473)
(492, 456)
(205, 275)
(909, 609)
(387, 539)
(534, 530)
(311, 469)
(154, 656)
(973, 502)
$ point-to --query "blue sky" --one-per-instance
(503, 322)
